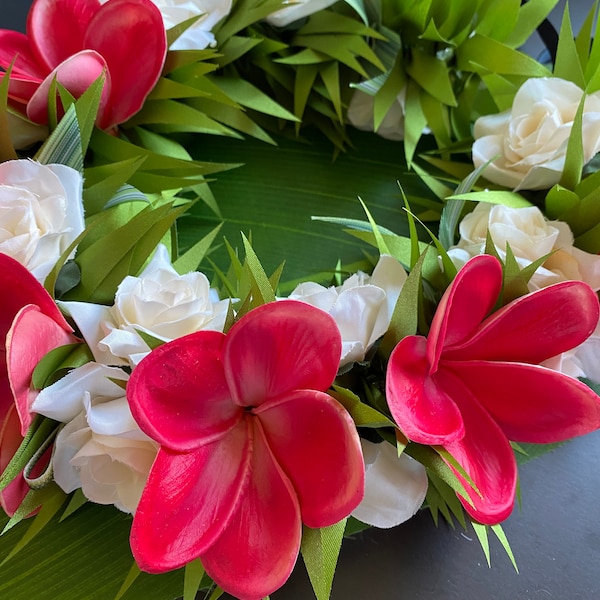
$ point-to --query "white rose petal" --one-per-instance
(395, 486)
(297, 9)
(160, 303)
(41, 213)
(63, 400)
(530, 236)
(588, 356)
(532, 137)
(362, 307)
(360, 115)
(101, 449)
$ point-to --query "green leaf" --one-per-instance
(583, 41)
(194, 572)
(38, 433)
(121, 252)
(567, 64)
(175, 32)
(133, 574)
(262, 290)
(320, 550)
(499, 532)
(433, 76)
(70, 356)
(415, 121)
(574, 159)
(190, 260)
(278, 190)
(64, 144)
(61, 556)
(432, 461)
(504, 197)
(7, 151)
(103, 182)
(480, 52)
(50, 499)
(405, 317)
(446, 500)
(362, 414)
(531, 16)
(248, 95)
(481, 531)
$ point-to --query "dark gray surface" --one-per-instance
(555, 537)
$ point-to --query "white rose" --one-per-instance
(360, 115)
(41, 213)
(160, 303)
(588, 356)
(395, 486)
(531, 139)
(362, 307)
(101, 449)
(297, 9)
(530, 237)
(581, 361)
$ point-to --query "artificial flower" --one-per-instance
(30, 326)
(362, 306)
(73, 42)
(527, 144)
(251, 447)
(475, 383)
(101, 449)
(160, 303)
(395, 486)
(294, 10)
(530, 237)
(360, 115)
(41, 213)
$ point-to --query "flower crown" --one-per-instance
(238, 415)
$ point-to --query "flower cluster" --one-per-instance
(234, 416)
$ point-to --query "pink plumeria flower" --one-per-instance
(475, 383)
(30, 326)
(77, 41)
(251, 447)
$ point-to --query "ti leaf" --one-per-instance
(320, 550)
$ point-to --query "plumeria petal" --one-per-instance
(257, 551)
(189, 499)
(420, 407)
(56, 28)
(470, 297)
(531, 403)
(76, 74)
(15, 51)
(534, 327)
(486, 456)
(10, 440)
(279, 347)
(135, 62)
(314, 440)
(183, 408)
(32, 335)
(21, 288)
